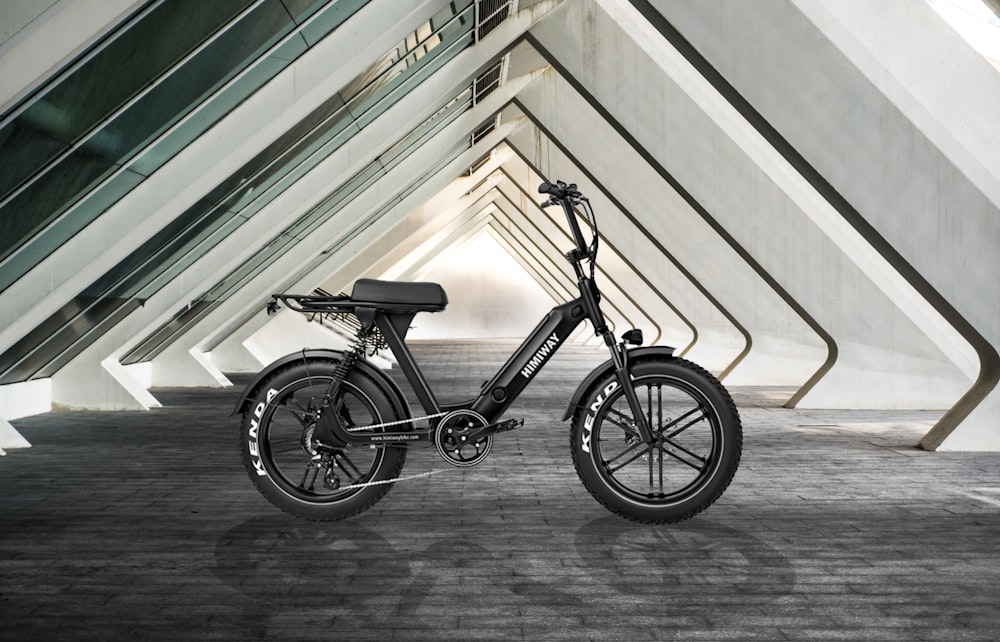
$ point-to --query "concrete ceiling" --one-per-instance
(728, 230)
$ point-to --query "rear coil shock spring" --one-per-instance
(351, 356)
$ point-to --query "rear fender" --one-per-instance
(319, 354)
(634, 354)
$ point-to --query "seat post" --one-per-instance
(387, 324)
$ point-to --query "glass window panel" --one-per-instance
(211, 111)
(331, 18)
(115, 74)
(142, 274)
(54, 336)
(66, 182)
(78, 336)
(26, 258)
(300, 10)
(197, 78)
(38, 205)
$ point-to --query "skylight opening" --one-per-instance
(976, 22)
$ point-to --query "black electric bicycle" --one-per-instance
(654, 438)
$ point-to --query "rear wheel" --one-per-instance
(697, 442)
(296, 473)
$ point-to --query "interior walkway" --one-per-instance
(143, 525)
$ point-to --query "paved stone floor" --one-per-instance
(137, 525)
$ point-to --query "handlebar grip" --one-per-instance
(545, 188)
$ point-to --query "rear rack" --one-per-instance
(335, 312)
(314, 304)
(333, 304)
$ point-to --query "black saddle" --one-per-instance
(417, 296)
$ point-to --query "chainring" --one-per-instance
(450, 438)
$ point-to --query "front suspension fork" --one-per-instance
(619, 355)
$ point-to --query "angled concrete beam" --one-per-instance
(45, 40)
(630, 281)
(805, 242)
(914, 167)
(245, 131)
(784, 349)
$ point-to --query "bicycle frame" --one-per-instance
(511, 379)
(496, 395)
(521, 367)
(324, 432)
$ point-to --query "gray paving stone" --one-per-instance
(144, 526)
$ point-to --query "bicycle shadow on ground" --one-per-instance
(284, 565)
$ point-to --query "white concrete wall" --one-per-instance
(884, 358)
(902, 122)
(490, 296)
(785, 351)
(39, 37)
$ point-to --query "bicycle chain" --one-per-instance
(395, 479)
(395, 423)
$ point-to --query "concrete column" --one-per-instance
(622, 260)
(901, 124)
(783, 349)
(785, 228)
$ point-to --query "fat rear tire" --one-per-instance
(281, 412)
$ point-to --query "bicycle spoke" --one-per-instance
(703, 460)
(300, 413)
(624, 426)
(310, 467)
(354, 474)
(682, 418)
(638, 454)
(660, 462)
(649, 406)
(632, 446)
(649, 458)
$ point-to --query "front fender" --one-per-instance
(320, 353)
(608, 366)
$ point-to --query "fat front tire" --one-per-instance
(282, 458)
(697, 433)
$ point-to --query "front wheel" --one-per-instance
(697, 441)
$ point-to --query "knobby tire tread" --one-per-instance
(576, 426)
(380, 490)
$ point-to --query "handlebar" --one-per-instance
(568, 195)
(559, 190)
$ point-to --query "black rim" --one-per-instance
(687, 450)
(288, 461)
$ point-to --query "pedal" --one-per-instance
(492, 429)
(509, 424)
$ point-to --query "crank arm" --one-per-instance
(502, 426)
